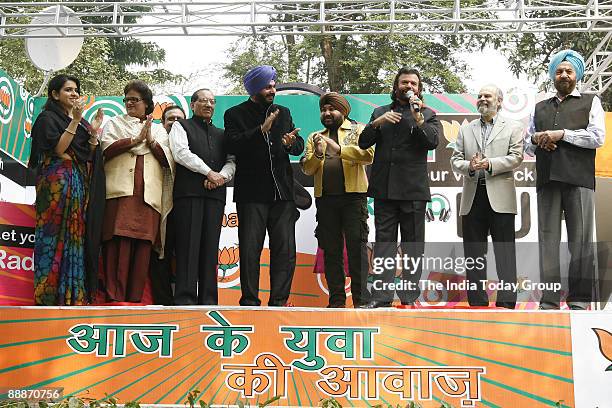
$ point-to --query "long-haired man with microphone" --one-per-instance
(262, 136)
(403, 132)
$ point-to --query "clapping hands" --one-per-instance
(77, 109)
(289, 138)
(479, 162)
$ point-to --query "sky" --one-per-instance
(202, 58)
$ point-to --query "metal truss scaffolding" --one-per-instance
(321, 17)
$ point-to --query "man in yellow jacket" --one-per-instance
(337, 163)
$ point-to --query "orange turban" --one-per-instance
(336, 100)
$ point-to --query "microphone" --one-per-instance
(415, 106)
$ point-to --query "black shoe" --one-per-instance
(336, 306)
(548, 306)
(578, 305)
(375, 304)
(407, 303)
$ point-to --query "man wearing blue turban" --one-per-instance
(570, 56)
(262, 135)
(563, 134)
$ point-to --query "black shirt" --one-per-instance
(263, 169)
(333, 173)
(399, 170)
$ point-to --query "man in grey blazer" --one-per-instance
(487, 151)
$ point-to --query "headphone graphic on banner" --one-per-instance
(440, 206)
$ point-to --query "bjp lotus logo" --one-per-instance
(605, 344)
(7, 100)
(228, 259)
(27, 127)
(451, 131)
(158, 109)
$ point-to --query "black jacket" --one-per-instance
(263, 169)
(399, 171)
(208, 143)
(568, 163)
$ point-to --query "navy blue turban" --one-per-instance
(258, 78)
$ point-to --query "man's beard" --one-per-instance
(262, 100)
(402, 96)
(565, 87)
(335, 125)
(486, 110)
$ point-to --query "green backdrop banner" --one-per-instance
(16, 116)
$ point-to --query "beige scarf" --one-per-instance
(125, 126)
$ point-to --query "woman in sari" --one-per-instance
(138, 167)
(63, 152)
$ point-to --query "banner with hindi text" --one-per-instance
(360, 358)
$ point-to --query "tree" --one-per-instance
(102, 65)
(350, 63)
(250, 51)
(530, 53)
(93, 66)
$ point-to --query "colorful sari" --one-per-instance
(59, 249)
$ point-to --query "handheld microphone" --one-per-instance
(415, 106)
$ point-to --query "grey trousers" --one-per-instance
(577, 205)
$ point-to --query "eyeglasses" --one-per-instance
(205, 100)
(132, 99)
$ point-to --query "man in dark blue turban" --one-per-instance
(258, 78)
(262, 136)
(564, 133)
